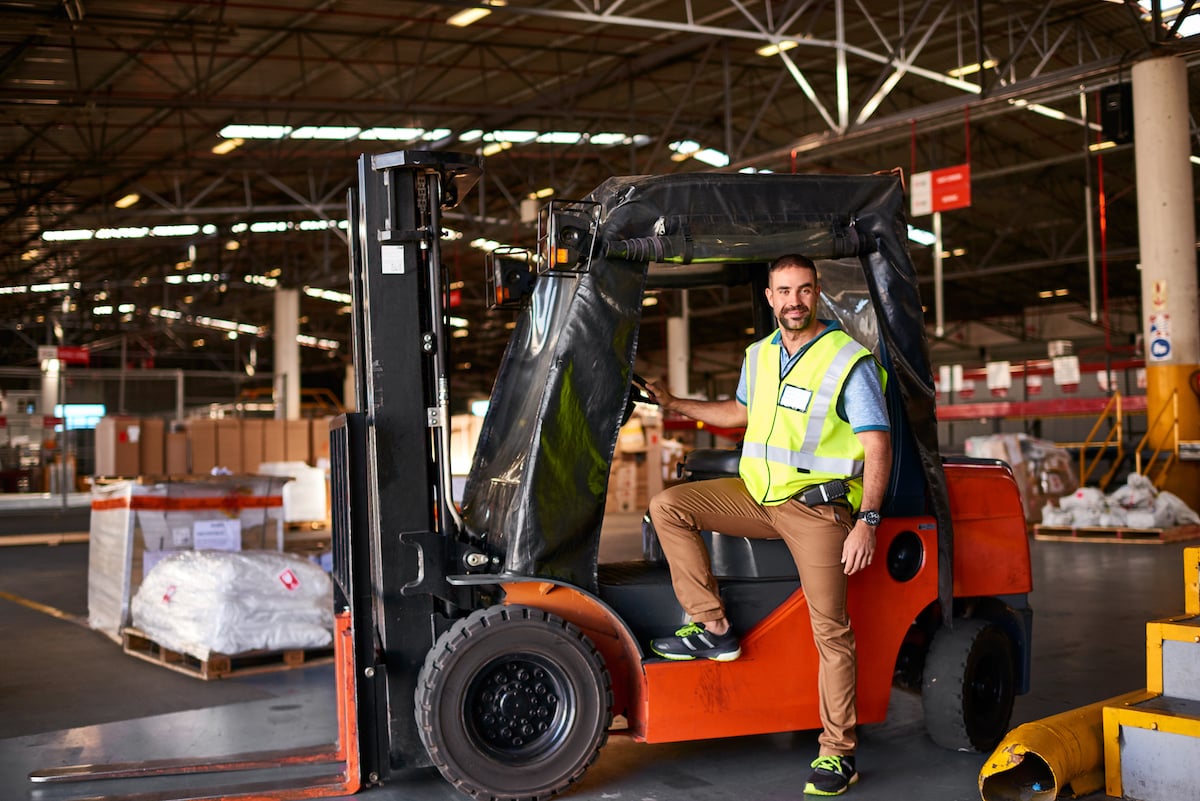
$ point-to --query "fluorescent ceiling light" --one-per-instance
(683, 149)
(560, 137)
(774, 49)
(496, 147)
(1194, 159)
(471, 135)
(434, 134)
(921, 236)
(325, 132)
(392, 134)
(255, 131)
(122, 233)
(541, 193)
(470, 16)
(314, 342)
(128, 200)
(714, 158)
(175, 230)
(971, 69)
(510, 136)
(609, 138)
(328, 294)
(1105, 145)
(69, 235)
(228, 146)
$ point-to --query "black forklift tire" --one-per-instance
(513, 702)
(968, 686)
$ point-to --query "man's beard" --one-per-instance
(804, 321)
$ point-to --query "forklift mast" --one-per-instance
(394, 521)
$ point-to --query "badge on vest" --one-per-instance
(795, 398)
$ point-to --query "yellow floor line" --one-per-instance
(44, 609)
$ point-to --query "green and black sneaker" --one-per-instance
(831, 775)
(693, 641)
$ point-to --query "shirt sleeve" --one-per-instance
(742, 393)
(862, 397)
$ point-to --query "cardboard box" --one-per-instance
(252, 444)
(177, 463)
(152, 447)
(320, 441)
(202, 437)
(296, 441)
(229, 445)
(274, 441)
(117, 446)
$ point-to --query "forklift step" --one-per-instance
(221, 666)
(1150, 536)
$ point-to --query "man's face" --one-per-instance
(793, 294)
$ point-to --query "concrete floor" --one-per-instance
(69, 695)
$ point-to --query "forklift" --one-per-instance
(484, 637)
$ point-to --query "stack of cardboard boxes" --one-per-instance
(143, 446)
(643, 464)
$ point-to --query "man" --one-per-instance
(817, 450)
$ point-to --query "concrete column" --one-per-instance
(679, 350)
(51, 369)
(287, 354)
(1167, 233)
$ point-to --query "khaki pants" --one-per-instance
(814, 535)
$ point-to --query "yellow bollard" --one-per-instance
(1062, 754)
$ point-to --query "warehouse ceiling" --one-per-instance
(165, 164)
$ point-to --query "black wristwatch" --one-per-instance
(869, 516)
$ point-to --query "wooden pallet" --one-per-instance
(1151, 536)
(221, 666)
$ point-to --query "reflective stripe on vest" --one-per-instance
(825, 367)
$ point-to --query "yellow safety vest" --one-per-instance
(794, 436)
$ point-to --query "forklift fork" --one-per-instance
(342, 757)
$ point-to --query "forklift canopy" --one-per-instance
(536, 491)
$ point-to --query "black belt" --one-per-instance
(828, 492)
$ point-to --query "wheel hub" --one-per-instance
(515, 702)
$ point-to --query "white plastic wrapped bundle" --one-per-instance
(1085, 504)
(1138, 492)
(230, 602)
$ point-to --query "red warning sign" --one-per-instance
(941, 190)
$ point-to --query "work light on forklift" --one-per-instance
(509, 277)
(567, 236)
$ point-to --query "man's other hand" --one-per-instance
(859, 548)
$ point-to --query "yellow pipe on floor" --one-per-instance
(1062, 754)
